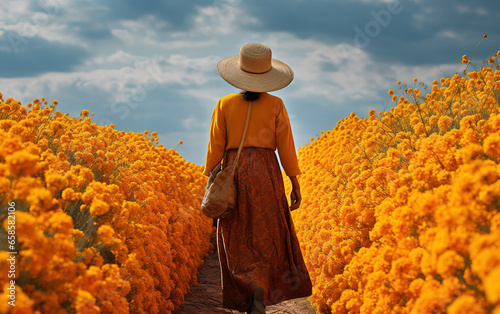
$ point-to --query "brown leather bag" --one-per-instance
(220, 193)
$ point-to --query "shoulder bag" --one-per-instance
(220, 193)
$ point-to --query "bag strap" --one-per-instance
(242, 138)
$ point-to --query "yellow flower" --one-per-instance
(491, 286)
(391, 92)
(85, 113)
(491, 145)
(40, 199)
(465, 304)
(21, 163)
(444, 122)
(98, 207)
(106, 233)
(85, 303)
(448, 263)
(464, 59)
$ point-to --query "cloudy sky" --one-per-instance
(151, 64)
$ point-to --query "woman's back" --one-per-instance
(269, 127)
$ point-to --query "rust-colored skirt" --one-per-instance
(257, 245)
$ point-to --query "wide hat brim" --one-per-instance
(278, 77)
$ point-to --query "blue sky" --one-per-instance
(151, 64)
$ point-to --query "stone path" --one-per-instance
(206, 297)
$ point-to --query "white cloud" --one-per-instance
(221, 18)
(145, 74)
(353, 76)
(446, 33)
(42, 19)
(14, 11)
(423, 18)
(124, 34)
(463, 9)
(481, 11)
(207, 95)
(192, 123)
(121, 57)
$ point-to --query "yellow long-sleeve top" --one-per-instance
(269, 127)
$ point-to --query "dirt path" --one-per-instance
(206, 297)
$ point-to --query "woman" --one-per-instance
(259, 253)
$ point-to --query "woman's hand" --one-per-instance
(295, 196)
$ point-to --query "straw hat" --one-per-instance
(255, 70)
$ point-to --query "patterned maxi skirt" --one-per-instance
(257, 245)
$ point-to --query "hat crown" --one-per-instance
(255, 58)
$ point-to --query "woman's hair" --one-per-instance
(250, 96)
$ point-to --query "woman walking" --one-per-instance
(259, 253)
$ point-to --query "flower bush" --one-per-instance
(107, 221)
(401, 210)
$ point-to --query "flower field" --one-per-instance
(401, 210)
(106, 221)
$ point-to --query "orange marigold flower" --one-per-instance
(491, 145)
(419, 129)
(85, 113)
(444, 122)
(398, 82)
(464, 304)
(448, 263)
(98, 207)
(181, 142)
(40, 199)
(85, 303)
(68, 194)
(391, 92)
(464, 59)
(491, 286)
(21, 163)
(106, 233)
